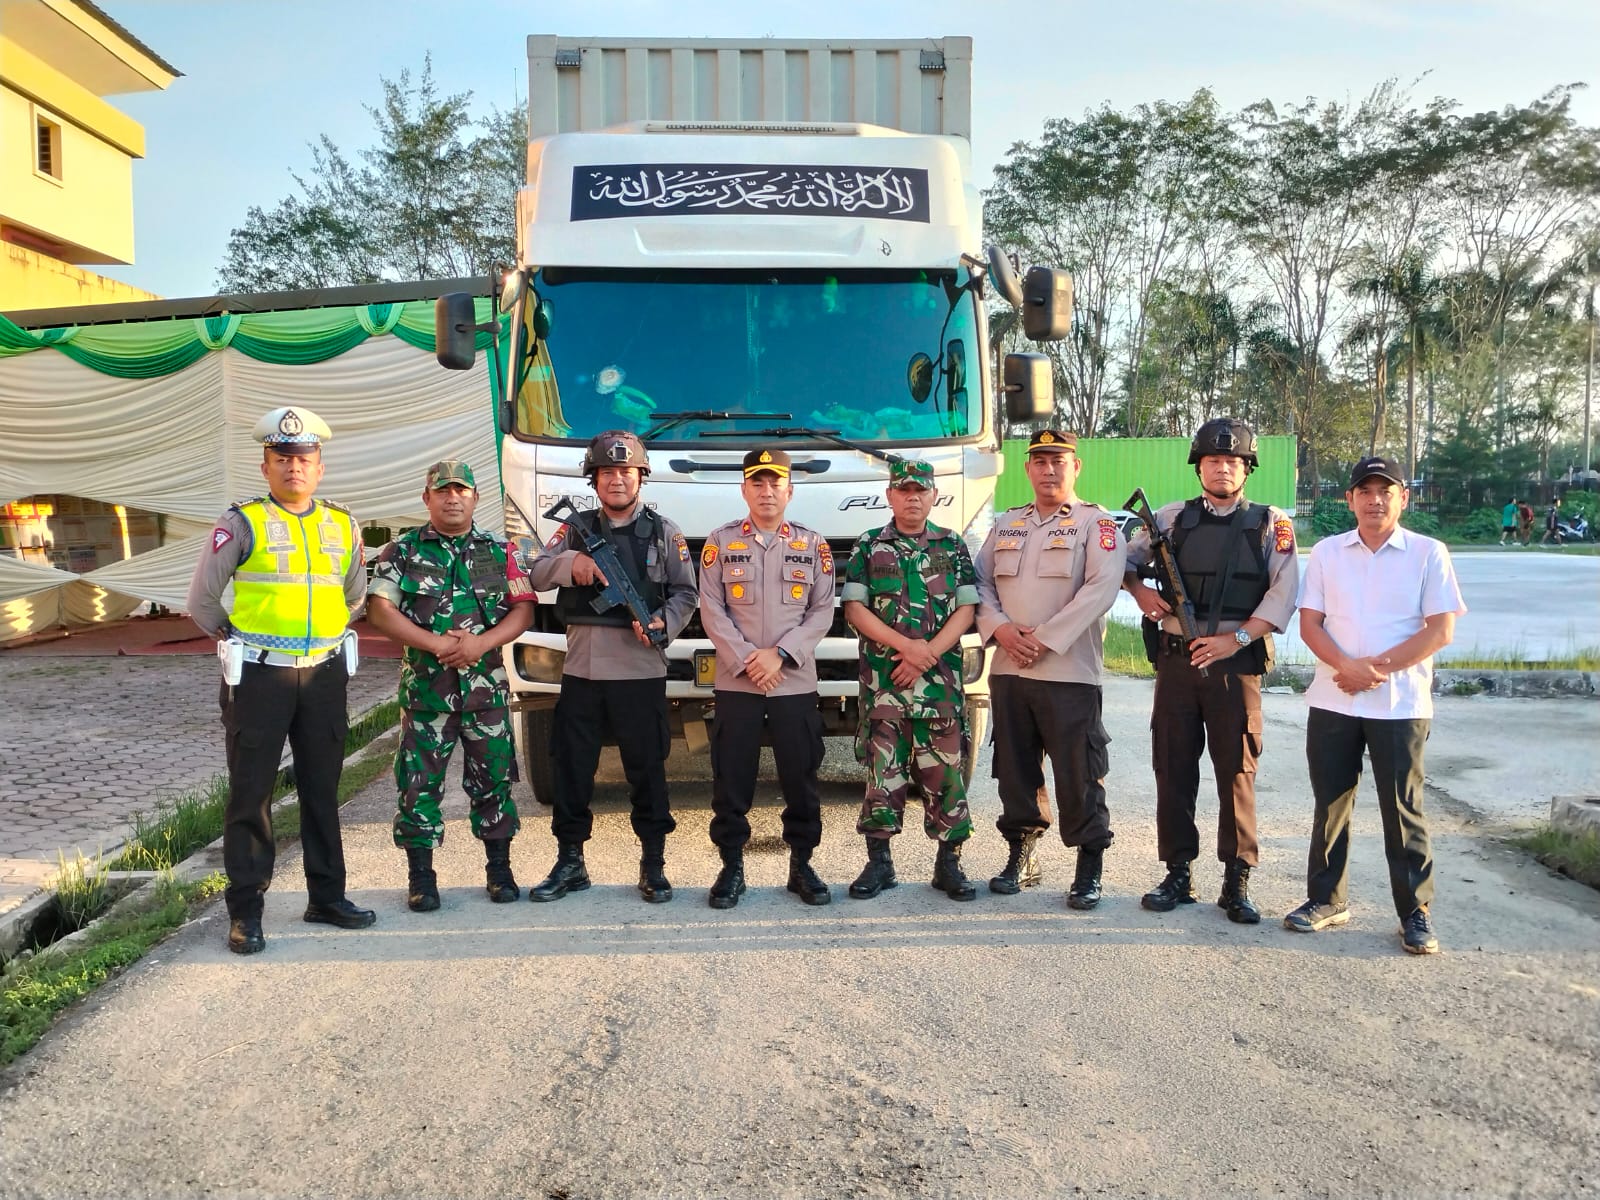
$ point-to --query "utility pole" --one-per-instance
(1588, 392)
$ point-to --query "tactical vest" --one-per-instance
(1200, 539)
(288, 594)
(632, 544)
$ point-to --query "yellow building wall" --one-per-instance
(29, 279)
(89, 209)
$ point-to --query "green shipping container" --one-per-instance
(1113, 467)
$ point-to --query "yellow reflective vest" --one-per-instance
(288, 594)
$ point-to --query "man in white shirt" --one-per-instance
(1376, 604)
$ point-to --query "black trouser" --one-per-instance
(1334, 743)
(795, 727)
(306, 706)
(1035, 717)
(1222, 710)
(634, 713)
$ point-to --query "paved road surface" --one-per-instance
(906, 1046)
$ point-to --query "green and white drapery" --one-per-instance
(157, 415)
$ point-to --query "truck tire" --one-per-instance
(536, 726)
(978, 718)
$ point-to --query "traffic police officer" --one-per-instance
(297, 571)
(452, 595)
(911, 592)
(766, 600)
(614, 678)
(1048, 573)
(1239, 568)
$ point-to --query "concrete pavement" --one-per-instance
(91, 739)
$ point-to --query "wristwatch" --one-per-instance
(1242, 636)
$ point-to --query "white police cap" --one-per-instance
(292, 430)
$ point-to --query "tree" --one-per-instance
(433, 199)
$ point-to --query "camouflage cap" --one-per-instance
(910, 470)
(450, 470)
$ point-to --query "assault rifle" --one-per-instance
(619, 588)
(1164, 570)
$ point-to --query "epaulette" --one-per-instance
(337, 507)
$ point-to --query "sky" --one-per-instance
(263, 78)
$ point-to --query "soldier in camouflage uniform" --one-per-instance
(910, 591)
(452, 595)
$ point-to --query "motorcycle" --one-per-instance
(1575, 528)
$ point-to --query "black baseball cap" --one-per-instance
(1383, 468)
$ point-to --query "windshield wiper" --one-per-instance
(672, 420)
(824, 435)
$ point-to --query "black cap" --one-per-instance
(758, 461)
(1383, 468)
(1053, 440)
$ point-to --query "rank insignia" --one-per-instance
(1283, 535)
(708, 556)
(797, 591)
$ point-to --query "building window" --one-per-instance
(47, 146)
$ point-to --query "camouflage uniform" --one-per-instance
(916, 735)
(442, 583)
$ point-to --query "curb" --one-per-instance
(18, 925)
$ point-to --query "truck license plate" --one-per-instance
(705, 668)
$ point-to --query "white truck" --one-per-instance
(723, 244)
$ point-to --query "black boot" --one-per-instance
(1085, 890)
(948, 876)
(1235, 896)
(878, 874)
(244, 935)
(1172, 891)
(653, 885)
(568, 875)
(1022, 868)
(499, 882)
(725, 892)
(422, 885)
(804, 881)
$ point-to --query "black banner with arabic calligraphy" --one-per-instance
(748, 189)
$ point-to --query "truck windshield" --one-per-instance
(832, 350)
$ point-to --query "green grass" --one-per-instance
(1573, 854)
(82, 890)
(1577, 658)
(34, 992)
(1125, 651)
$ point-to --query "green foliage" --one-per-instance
(1330, 516)
(82, 892)
(1585, 504)
(1481, 526)
(1424, 523)
(433, 199)
(1124, 651)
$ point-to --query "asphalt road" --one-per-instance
(905, 1046)
(1522, 604)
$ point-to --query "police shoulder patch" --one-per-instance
(220, 537)
(708, 556)
(682, 543)
(1283, 535)
(556, 538)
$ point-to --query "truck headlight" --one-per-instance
(540, 664)
(971, 663)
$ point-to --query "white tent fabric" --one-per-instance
(180, 445)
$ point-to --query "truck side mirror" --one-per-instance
(455, 331)
(1004, 278)
(1046, 304)
(1029, 387)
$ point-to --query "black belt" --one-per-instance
(1174, 643)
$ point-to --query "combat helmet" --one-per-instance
(615, 448)
(1224, 435)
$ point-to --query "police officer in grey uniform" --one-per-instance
(766, 601)
(614, 679)
(1240, 570)
(1047, 575)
